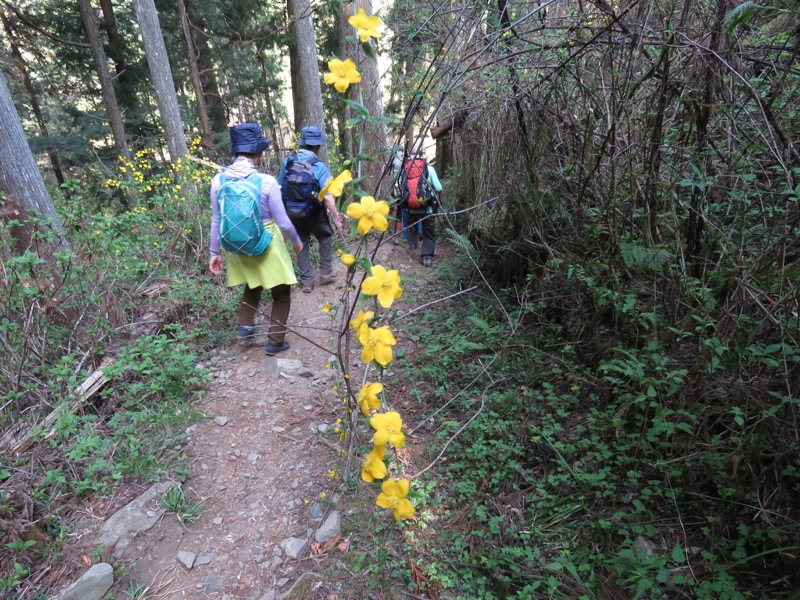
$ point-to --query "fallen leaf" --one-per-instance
(86, 560)
(331, 543)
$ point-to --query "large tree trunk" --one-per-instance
(374, 134)
(306, 88)
(20, 179)
(32, 98)
(195, 73)
(161, 76)
(106, 84)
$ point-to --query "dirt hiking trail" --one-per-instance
(260, 467)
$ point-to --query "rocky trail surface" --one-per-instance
(262, 469)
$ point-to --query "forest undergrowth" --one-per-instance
(659, 469)
(118, 292)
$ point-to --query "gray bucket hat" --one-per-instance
(247, 138)
(311, 135)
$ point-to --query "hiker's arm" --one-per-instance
(216, 264)
(434, 179)
(271, 196)
(330, 204)
(282, 172)
(213, 235)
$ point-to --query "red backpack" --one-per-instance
(416, 191)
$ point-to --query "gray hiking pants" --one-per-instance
(318, 226)
(428, 232)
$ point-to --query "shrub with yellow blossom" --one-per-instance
(393, 495)
(383, 284)
(380, 283)
(342, 73)
(369, 214)
(367, 26)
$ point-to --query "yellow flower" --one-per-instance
(388, 428)
(377, 345)
(342, 74)
(348, 259)
(360, 324)
(367, 26)
(383, 284)
(335, 186)
(393, 495)
(373, 467)
(369, 214)
(326, 308)
(368, 397)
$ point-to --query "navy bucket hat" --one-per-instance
(247, 138)
(310, 135)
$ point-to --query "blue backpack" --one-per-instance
(241, 229)
(299, 190)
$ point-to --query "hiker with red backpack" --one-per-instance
(419, 194)
(249, 221)
(301, 178)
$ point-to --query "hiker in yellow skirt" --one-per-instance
(271, 269)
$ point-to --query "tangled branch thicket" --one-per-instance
(645, 159)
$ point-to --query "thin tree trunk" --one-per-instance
(161, 76)
(217, 113)
(274, 126)
(306, 88)
(32, 98)
(124, 80)
(106, 84)
(195, 73)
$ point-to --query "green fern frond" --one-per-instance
(481, 324)
(640, 257)
(459, 241)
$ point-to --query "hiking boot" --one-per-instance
(327, 279)
(307, 287)
(272, 349)
(245, 331)
(426, 261)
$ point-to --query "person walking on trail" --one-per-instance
(313, 220)
(241, 187)
(420, 189)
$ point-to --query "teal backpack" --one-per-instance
(241, 229)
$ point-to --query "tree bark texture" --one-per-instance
(20, 179)
(161, 75)
(106, 83)
(19, 62)
(306, 88)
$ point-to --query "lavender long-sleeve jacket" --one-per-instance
(271, 204)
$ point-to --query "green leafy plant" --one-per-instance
(137, 591)
(176, 502)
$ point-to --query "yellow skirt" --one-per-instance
(270, 268)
